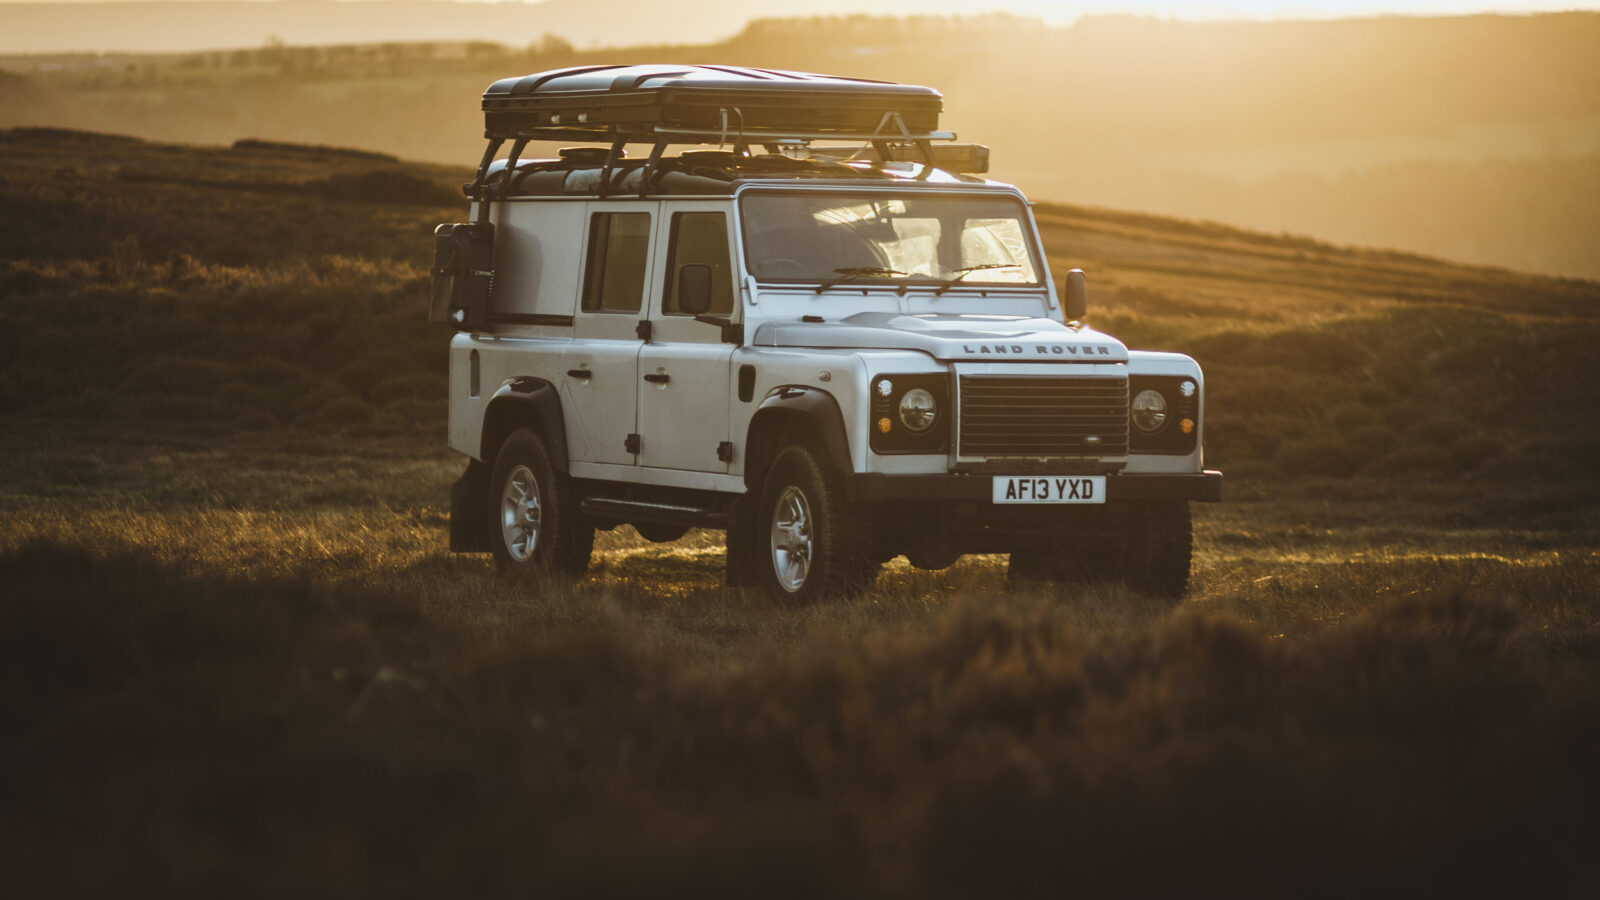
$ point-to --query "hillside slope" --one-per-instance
(1475, 138)
(237, 658)
(177, 263)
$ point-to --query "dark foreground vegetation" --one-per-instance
(279, 737)
(235, 659)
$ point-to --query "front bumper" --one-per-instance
(873, 487)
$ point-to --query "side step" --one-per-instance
(640, 511)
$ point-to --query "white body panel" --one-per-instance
(601, 410)
(534, 252)
(833, 342)
(683, 420)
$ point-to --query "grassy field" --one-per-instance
(237, 658)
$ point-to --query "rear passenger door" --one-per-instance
(601, 378)
(684, 370)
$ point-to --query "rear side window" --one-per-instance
(619, 249)
(701, 237)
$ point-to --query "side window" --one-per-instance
(619, 248)
(700, 237)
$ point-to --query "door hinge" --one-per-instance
(644, 331)
(725, 451)
(632, 443)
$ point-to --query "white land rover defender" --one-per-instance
(827, 336)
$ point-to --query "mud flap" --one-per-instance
(743, 540)
(469, 513)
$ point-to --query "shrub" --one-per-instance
(1405, 461)
(1320, 456)
(1375, 440)
(1474, 452)
(1234, 437)
(391, 186)
(1444, 431)
(189, 410)
(346, 410)
(180, 377)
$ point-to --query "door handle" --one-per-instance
(579, 373)
(658, 378)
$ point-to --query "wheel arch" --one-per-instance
(525, 403)
(789, 410)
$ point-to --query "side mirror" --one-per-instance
(694, 289)
(1075, 297)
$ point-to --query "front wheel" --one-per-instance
(535, 524)
(1160, 546)
(806, 533)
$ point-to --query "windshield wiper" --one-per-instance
(962, 273)
(853, 272)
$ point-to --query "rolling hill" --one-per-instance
(1474, 138)
(236, 656)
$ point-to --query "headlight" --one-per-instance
(918, 411)
(1149, 411)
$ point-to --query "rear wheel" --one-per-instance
(806, 533)
(535, 526)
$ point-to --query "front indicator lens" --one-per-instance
(1149, 411)
(884, 425)
(1186, 426)
(918, 411)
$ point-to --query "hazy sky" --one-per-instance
(1204, 9)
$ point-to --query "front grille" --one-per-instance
(1004, 415)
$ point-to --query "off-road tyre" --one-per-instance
(534, 525)
(806, 539)
(1160, 544)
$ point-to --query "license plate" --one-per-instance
(1049, 489)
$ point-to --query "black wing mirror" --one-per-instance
(694, 289)
(1075, 297)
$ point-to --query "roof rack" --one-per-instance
(671, 104)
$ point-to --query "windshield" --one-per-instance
(836, 237)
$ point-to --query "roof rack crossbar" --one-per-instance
(762, 135)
